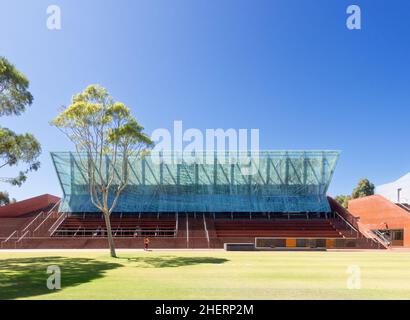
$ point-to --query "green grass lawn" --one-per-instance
(206, 275)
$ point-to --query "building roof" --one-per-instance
(402, 179)
(378, 213)
(23, 207)
(267, 181)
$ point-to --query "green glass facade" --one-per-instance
(281, 181)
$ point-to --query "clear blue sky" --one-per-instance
(290, 68)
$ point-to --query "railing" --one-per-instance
(177, 224)
(57, 223)
(26, 230)
(13, 235)
(381, 237)
(368, 236)
(351, 221)
(351, 227)
(187, 231)
(100, 232)
(206, 231)
(20, 240)
(50, 213)
(342, 212)
(32, 221)
(40, 215)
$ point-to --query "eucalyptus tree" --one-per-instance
(16, 149)
(14, 93)
(105, 135)
(364, 188)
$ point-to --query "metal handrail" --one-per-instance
(39, 215)
(10, 236)
(118, 230)
(187, 230)
(50, 212)
(26, 227)
(373, 237)
(98, 234)
(32, 221)
(206, 231)
(124, 236)
(381, 237)
(21, 238)
(359, 233)
(348, 223)
(57, 223)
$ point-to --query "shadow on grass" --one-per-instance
(173, 261)
(27, 277)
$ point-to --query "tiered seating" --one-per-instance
(276, 228)
(93, 226)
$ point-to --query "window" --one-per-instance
(398, 235)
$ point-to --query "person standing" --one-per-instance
(146, 243)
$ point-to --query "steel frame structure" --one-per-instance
(282, 181)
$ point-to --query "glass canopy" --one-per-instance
(269, 181)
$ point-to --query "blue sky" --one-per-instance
(290, 68)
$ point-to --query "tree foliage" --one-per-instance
(16, 149)
(364, 188)
(5, 199)
(105, 135)
(343, 200)
(14, 94)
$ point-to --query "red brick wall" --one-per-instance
(375, 211)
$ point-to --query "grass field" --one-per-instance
(206, 275)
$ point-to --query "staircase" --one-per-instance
(196, 232)
(214, 241)
(182, 230)
(35, 226)
(345, 222)
(381, 237)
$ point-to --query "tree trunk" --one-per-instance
(109, 235)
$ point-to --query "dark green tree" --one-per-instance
(16, 149)
(364, 188)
